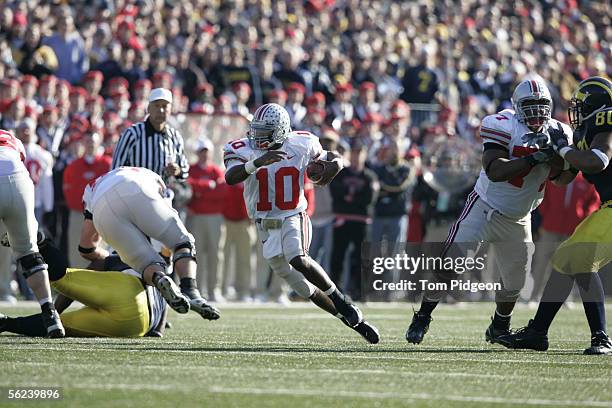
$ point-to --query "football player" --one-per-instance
(17, 214)
(589, 248)
(126, 207)
(515, 166)
(117, 304)
(272, 162)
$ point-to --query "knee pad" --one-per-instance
(295, 279)
(31, 264)
(190, 253)
(506, 295)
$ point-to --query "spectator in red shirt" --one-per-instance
(205, 219)
(80, 172)
(563, 208)
(239, 240)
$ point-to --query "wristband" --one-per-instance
(250, 167)
(86, 250)
(564, 151)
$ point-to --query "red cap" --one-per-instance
(97, 75)
(30, 112)
(315, 98)
(29, 78)
(10, 82)
(48, 78)
(347, 87)
(20, 19)
(77, 90)
(278, 93)
(119, 81)
(367, 85)
(373, 117)
(314, 111)
(296, 87)
(119, 93)
(143, 83)
(208, 29)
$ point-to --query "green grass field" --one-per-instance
(272, 356)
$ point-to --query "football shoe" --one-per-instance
(418, 328)
(366, 330)
(493, 333)
(525, 338)
(52, 322)
(168, 289)
(600, 344)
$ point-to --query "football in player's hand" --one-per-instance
(315, 170)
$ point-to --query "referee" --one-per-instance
(153, 144)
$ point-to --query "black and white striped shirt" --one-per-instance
(141, 145)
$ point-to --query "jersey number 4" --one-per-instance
(264, 203)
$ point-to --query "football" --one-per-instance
(315, 170)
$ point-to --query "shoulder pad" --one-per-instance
(497, 128)
(236, 150)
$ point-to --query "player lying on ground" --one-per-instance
(117, 303)
(17, 214)
(515, 165)
(126, 207)
(272, 161)
(589, 248)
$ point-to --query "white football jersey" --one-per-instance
(102, 184)
(277, 190)
(515, 198)
(12, 154)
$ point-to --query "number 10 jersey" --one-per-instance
(277, 190)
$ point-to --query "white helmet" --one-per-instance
(270, 126)
(532, 103)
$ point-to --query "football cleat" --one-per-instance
(600, 344)
(418, 328)
(493, 333)
(525, 338)
(52, 322)
(366, 330)
(351, 314)
(207, 311)
(172, 294)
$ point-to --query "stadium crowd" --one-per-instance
(382, 81)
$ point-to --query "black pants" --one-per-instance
(350, 232)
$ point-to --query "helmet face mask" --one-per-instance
(532, 104)
(592, 95)
(270, 127)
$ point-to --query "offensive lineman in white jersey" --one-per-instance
(516, 162)
(272, 162)
(17, 214)
(126, 207)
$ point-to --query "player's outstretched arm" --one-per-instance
(499, 168)
(590, 161)
(240, 172)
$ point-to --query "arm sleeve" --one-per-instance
(121, 156)
(492, 131)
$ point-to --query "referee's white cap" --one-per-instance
(160, 93)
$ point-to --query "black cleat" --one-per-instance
(172, 294)
(366, 330)
(52, 322)
(600, 344)
(493, 333)
(525, 338)
(418, 328)
(200, 305)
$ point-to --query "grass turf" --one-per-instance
(271, 356)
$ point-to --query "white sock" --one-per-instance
(45, 300)
(331, 290)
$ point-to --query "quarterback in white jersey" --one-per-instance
(126, 207)
(17, 215)
(272, 162)
(516, 162)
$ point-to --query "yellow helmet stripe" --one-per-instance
(581, 96)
